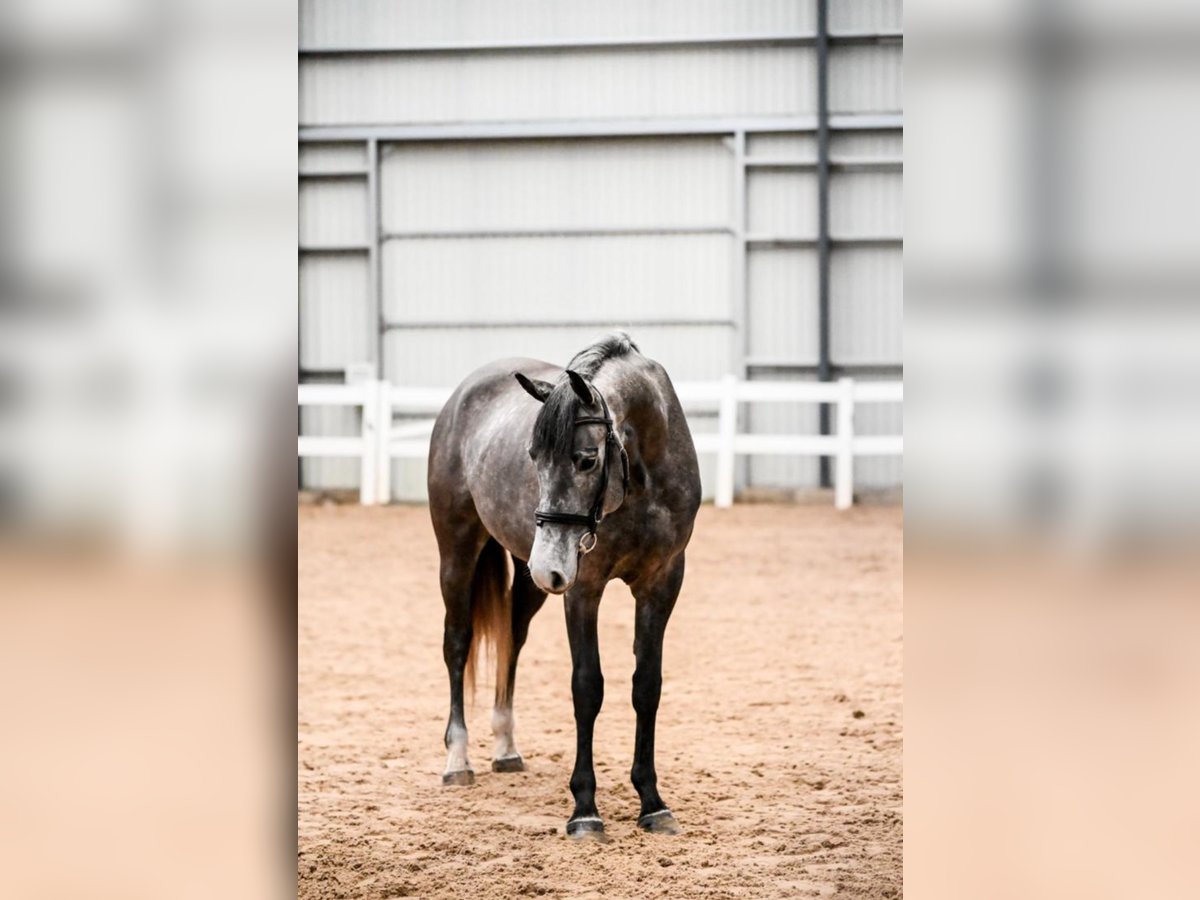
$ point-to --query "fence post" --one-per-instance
(370, 443)
(843, 483)
(383, 451)
(726, 429)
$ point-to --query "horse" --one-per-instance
(580, 475)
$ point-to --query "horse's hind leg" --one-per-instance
(655, 600)
(457, 572)
(527, 599)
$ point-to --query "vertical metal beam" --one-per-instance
(374, 231)
(740, 311)
(824, 365)
(741, 305)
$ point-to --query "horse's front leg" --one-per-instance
(655, 600)
(587, 689)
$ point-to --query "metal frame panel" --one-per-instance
(580, 128)
(847, 38)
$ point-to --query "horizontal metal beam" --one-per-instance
(335, 248)
(598, 128)
(600, 44)
(459, 324)
(864, 163)
(810, 368)
(557, 231)
(308, 375)
(784, 240)
(334, 173)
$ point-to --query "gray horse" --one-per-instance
(582, 475)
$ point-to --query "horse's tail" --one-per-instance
(491, 616)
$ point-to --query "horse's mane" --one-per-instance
(554, 429)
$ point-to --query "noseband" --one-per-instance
(593, 518)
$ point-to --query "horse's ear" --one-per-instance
(538, 390)
(579, 384)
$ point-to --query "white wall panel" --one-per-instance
(335, 310)
(549, 279)
(782, 314)
(333, 212)
(866, 203)
(380, 23)
(333, 157)
(548, 184)
(858, 144)
(865, 15)
(783, 146)
(782, 202)
(865, 79)
(444, 356)
(866, 305)
(454, 87)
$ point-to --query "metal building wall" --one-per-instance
(386, 23)
(454, 295)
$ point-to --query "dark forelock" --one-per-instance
(554, 429)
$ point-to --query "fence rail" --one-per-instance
(380, 439)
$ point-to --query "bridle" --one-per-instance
(612, 444)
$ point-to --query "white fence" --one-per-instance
(381, 440)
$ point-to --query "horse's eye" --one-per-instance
(587, 464)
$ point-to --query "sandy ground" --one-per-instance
(779, 737)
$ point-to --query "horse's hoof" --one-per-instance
(461, 778)
(512, 763)
(661, 822)
(587, 828)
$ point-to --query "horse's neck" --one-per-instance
(636, 400)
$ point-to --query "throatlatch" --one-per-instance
(612, 444)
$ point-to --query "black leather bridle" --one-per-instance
(612, 444)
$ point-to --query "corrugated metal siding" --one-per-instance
(565, 85)
(865, 79)
(335, 325)
(866, 204)
(378, 23)
(332, 157)
(866, 308)
(444, 356)
(551, 279)
(333, 212)
(551, 184)
(782, 202)
(859, 144)
(865, 15)
(801, 147)
(782, 314)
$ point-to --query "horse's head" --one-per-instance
(571, 450)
